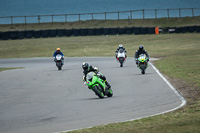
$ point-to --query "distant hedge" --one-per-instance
(92, 32)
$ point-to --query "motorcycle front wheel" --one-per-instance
(98, 91)
(143, 67)
(109, 93)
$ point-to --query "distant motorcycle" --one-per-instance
(59, 61)
(99, 87)
(142, 63)
(121, 57)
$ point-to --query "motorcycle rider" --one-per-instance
(58, 52)
(139, 52)
(87, 68)
(121, 47)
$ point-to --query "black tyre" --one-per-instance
(121, 61)
(143, 72)
(59, 68)
(109, 93)
(58, 64)
(143, 67)
(121, 64)
(98, 91)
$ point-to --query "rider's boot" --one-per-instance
(108, 85)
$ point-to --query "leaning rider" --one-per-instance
(121, 47)
(87, 68)
(58, 51)
(139, 52)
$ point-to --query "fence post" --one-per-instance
(11, 19)
(193, 12)
(38, 18)
(25, 19)
(105, 16)
(179, 12)
(143, 13)
(52, 19)
(131, 13)
(156, 13)
(168, 13)
(118, 15)
(65, 18)
(92, 16)
(128, 21)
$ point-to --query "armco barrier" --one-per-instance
(37, 34)
(5, 35)
(29, 33)
(61, 32)
(52, 33)
(45, 33)
(91, 32)
(21, 34)
(84, 32)
(13, 34)
(68, 32)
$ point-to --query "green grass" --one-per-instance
(179, 60)
(161, 22)
(185, 120)
(5, 69)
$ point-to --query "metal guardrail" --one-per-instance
(132, 14)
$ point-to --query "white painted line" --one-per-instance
(167, 82)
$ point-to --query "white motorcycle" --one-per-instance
(59, 61)
(121, 57)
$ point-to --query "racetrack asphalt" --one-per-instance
(41, 99)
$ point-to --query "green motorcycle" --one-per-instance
(142, 63)
(96, 84)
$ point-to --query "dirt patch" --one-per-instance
(189, 92)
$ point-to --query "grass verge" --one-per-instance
(5, 69)
(180, 61)
(160, 22)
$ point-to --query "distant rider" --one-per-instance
(139, 52)
(87, 68)
(121, 47)
(58, 52)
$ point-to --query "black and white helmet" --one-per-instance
(120, 46)
(141, 47)
(85, 65)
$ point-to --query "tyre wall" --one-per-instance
(94, 31)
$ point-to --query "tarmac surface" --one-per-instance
(41, 99)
